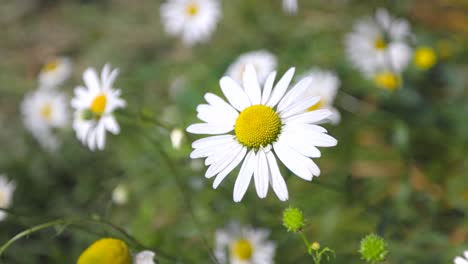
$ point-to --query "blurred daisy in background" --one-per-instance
(425, 57)
(7, 189)
(55, 72)
(193, 20)
(267, 124)
(115, 251)
(44, 110)
(263, 61)
(177, 136)
(290, 7)
(379, 43)
(120, 194)
(94, 107)
(243, 245)
(387, 79)
(324, 84)
(461, 260)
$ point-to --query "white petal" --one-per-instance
(100, 136)
(459, 260)
(213, 114)
(295, 162)
(91, 138)
(220, 177)
(209, 128)
(245, 175)
(309, 117)
(301, 144)
(111, 124)
(91, 80)
(277, 181)
(251, 85)
(213, 140)
(281, 87)
(234, 93)
(294, 93)
(300, 106)
(261, 175)
(215, 100)
(268, 87)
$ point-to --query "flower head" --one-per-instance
(193, 20)
(263, 61)
(55, 72)
(7, 188)
(144, 257)
(290, 7)
(425, 57)
(177, 136)
(293, 219)
(94, 106)
(106, 251)
(257, 126)
(120, 194)
(461, 260)
(379, 43)
(373, 248)
(241, 245)
(43, 111)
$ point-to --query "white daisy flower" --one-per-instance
(257, 127)
(120, 194)
(144, 257)
(6, 194)
(379, 43)
(324, 84)
(263, 61)
(55, 72)
(94, 107)
(193, 20)
(461, 260)
(176, 138)
(290, 7)
(236, 245)
(44, 110)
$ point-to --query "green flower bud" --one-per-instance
(293, 219)
(373, 249)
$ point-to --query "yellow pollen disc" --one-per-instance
(99, 104)
(50, 66)
(257, 125)
(106, 251)
(388, 80)
(316, 106)
(380, 44)
(242, 249)
(425, 57)
(192, 9)
(46, 111)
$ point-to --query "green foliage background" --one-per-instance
(400, 168)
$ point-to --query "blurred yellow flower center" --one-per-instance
(316, 106)
(242, 249)
(51, 66)
(257, 125)
(388, 80)
(192, 9)
(425, 57)
(99, 104)
(380, 43)
(46, 111)
(106, 251)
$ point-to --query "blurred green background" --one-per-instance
(400, 167)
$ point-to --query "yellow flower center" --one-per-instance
(316, 106)
(242, 249)
(51, 66)
(99, 104)
(257, 125)
(425, 57)
(106, 251)
(46, 111)
(388, 80)
(192, 9)
(380, 43)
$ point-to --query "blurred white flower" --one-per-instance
(120, 194)
(144, 257)
(94, 106)
(44, 110)
(263, 61)
(290, 6)
(193, 20)
(243, 245)
(266, 123)
(176, 138)
(461, 260)
(6, 194)
(324, 84)
(379, 43)
(55, 72)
